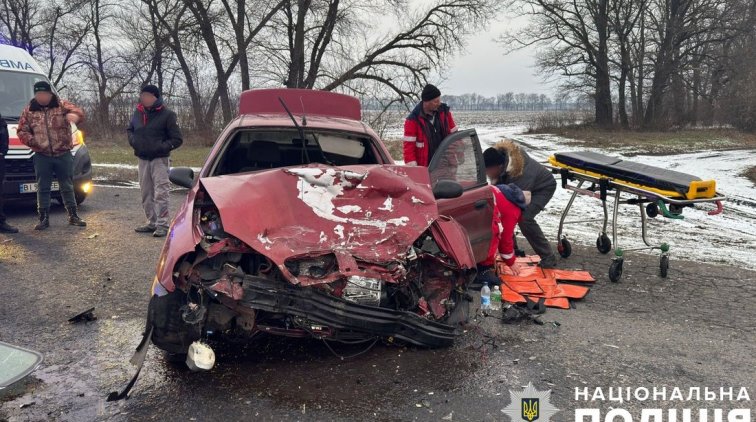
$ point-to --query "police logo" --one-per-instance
(529, 410)
(530, 405)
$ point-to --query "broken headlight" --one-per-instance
(211, 224)
(312, 267)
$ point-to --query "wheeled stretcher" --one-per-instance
(656, 191)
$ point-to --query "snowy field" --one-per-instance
(726, 238)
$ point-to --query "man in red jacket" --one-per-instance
(510, 202)
(426, 126)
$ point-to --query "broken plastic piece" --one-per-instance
(138, 360)
(200, 357)
(85, 316)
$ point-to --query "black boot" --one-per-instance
(73, 218)
(44, 220)
(7, 228)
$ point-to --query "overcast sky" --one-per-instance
(484, 69)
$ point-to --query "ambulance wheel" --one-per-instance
(564, 248)
(603, 244)
(664, 266)
(615, 270)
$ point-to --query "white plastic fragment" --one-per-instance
(200, 357)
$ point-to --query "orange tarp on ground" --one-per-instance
(532, 282)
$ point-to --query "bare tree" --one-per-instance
(680, 28)
(66, 30)
(623, 17)
(334, 44)
(111, 68)
(574, 40)
(22, 22)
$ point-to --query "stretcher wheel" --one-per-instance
(652, 210)
(603, 244)
(564, 248)
(664, 266)
(615, 270)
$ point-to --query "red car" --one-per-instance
(299, 224)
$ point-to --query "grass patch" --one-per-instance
(186, 155)
(750, 174)
(395, 148)
(671, 142)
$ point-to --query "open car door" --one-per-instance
(460, 158)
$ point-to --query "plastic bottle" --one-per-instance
(496, 298)
(485, 298)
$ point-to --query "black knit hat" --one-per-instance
(42, 86)
(492, 157)
(152, 89)
(430, 92)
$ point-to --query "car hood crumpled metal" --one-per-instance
(373, 212)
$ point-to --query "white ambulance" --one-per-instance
(18, 73)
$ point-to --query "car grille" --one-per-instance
(19, 169)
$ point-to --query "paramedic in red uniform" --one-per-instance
(426, 126)
(510, 202)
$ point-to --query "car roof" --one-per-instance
(252, 121)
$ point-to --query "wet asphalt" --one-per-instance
(695, 329)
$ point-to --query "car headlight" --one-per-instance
(318, 267)
(211, 225)
(78, 137)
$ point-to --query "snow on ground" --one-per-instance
(726, 238)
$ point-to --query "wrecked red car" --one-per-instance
(299, 224)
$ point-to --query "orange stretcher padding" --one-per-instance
(535, 283)
(531, 271)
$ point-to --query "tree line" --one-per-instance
(509, 101)
(648, 64)
(203, 53)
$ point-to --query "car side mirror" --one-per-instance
(182, 176)
(447, 189)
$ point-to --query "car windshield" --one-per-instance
(16, 90)
(253, 150)
(16, 363)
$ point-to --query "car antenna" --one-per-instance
(299, 128)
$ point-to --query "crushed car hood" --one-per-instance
(373, 213)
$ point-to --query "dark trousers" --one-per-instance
(530, 228)
(2, 178)
(60, 167)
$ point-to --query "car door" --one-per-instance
(460, 158)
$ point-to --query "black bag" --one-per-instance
(4, 138)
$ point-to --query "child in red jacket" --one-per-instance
(509, 202)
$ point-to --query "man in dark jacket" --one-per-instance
(154, 133)
(4, 140)
(45, 127)
(425, 127)
(507, 163)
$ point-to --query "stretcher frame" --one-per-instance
(650, 202)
